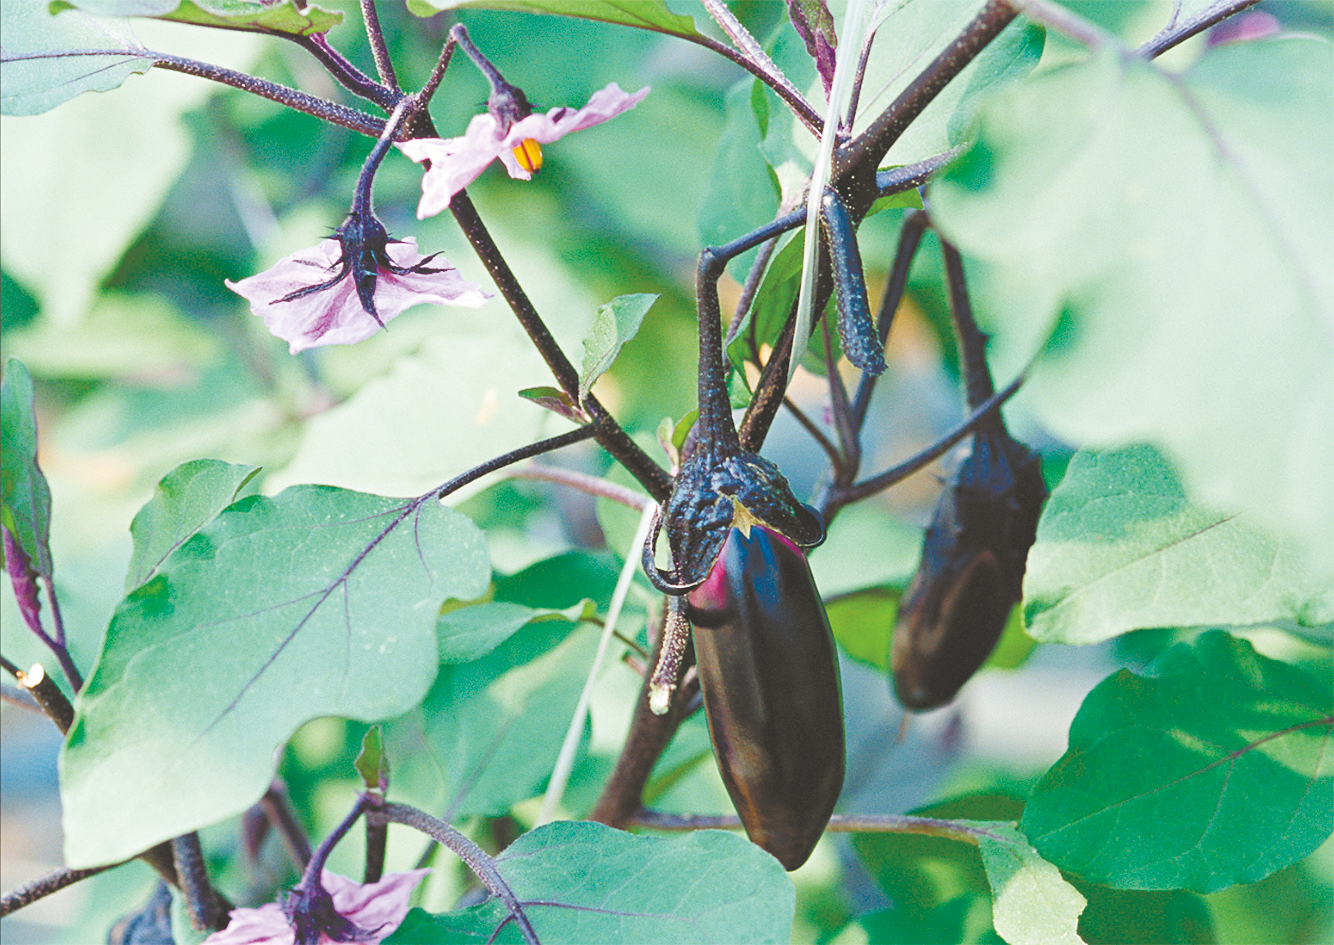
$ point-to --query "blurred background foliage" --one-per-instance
(124, 213)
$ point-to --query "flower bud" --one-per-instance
(769, 675)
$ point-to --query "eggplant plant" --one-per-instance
(430, 630)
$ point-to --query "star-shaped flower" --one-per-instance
(369, 912)
(374, 279)
(456, 162)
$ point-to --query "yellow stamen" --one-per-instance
(529, 155)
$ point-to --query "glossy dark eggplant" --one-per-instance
(972, 571)
(769, 675)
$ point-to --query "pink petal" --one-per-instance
(384, 903)
(456, 162)
(334, 315)
(381, 905)
(263, 926)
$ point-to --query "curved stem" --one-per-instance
(346, 74)
(45, 885)
(1177, 33)
(384, 66)
(470, 853)
(609, 434)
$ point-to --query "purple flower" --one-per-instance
(374, 279)
(456, 162)
(368, 912)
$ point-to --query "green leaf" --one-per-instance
(1135, 917)
(863, 623)
(372, 763)
(641, 14)
(469, 633)
(614, 324)
(1129, 224)
(285, 18)
(911, 34)
(1121, 547)
(1030, 903)
(489, 731)
(1213, 770)
(45, 59)
(741, 192)
(557, 401)
(26, 507)
(437, 413)
(591, 884)
(187, 499)
(315, 602)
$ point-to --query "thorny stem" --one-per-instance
(361, 200)
(207, 910)
(608, 433)
(438, 73)
(384, 66)
(43, 886)
(763, 66)
(470, 853)
(377, 839)
(346, 74)
(513, 456)
(299, 101)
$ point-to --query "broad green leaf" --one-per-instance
(742, 191)
(285, 18)
(863, 623)
(436, 414)
(1030, 902)
(46, 58)
(469, 633)
(911, 33)
(614, 324)
(1213, 770)
(26, 508)
(1164, 242)
(187, 499)
(641, 14)
(587, 883)
(1122, 547)
(315, 602)
(490, 730)
(1136, 917)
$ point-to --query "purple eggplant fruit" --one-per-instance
(769, 675)
(972, 570)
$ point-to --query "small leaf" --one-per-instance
(583, 882)
(1030, 901)
(187, 499)
(315, 602)
(1214, 770)
(284, 18)
(557, 401)
(372, 763)
(45, 58)
(614, 324)
(1121, 547)
(641, 14)
(26, 507)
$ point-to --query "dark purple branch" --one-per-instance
(1177, 33)
(384, 66)
(609, 434)
(207, 910)
(45, 885)
(348, 75)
